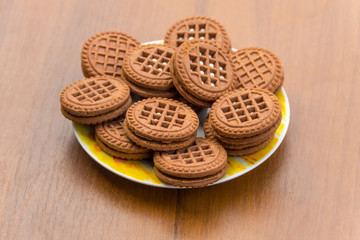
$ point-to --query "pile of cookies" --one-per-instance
(195, 68)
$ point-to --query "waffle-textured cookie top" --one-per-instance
(103, 53)
(245, 112)
(204, 70)
(148, 66)
(257, 68)
(113, 134)
(94, 96)
(162, 119)
(202, 158)
(193, 28)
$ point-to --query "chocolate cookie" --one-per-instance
(194, 28)
(149, 93)
(114, 153)
(201, 160)
(245, 113)
(103, 53)
(202, 70)
(113, 135)
(258, 68)
(147, 66)
(94, 100)
(190, 182)
(162, 119)
(158, 145)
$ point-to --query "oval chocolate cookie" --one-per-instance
(203, 70)
(202, 28)
(258, 68)
(103, 53)
(148, 66)
(162, 119)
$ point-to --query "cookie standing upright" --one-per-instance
(146, 68)
(95, 100)
(103, 54)
(161, 124)
(258, 68)
(202, 72)
(194, 28)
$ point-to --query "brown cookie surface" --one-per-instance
(203, 70)
(157, 145)
(187, 96)
(258, 68)
(226, 142)
(202, 28)
(162, 119)
(190, 182)
(94, 96)
(245, 113)
(103, 53)
(249, 150)
(115, 153)
(148, 66)
(113, 135)
(202, 158)
(149, 93)
(99, 118)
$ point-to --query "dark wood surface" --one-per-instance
(309, 189)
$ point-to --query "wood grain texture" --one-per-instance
(309, 189)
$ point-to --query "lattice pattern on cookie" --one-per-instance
(164, 115)
(192, 154)
(117, 129)
(154, 61)
(204, 65)
(93, 91)
(108, 54)
(190, 31)
(244, 108)
(254, 68)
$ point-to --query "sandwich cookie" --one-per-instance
(95, 100)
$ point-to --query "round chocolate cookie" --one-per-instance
(226, 141)
(103, 53)
(245, 113)
(202, 158)
(162, 119)
(190, 182)
(115, 153)
(113, 135)
(149, 93)
(258, 68)
(94, 100)
(202, 28)
(203, 70)
(148, 66)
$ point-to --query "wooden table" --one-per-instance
(309, 189)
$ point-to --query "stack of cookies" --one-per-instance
(244, 121)
(161, 124)
(196, 66)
